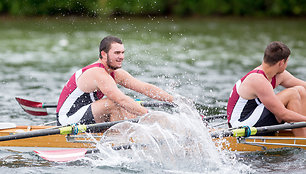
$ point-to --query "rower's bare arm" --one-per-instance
(109, 88)
(265, 93)
(288, 80)
(152, 91)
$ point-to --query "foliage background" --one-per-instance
(183, 8)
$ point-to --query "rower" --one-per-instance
(253, 102)
(91, 95)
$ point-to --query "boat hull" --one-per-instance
(253, 143)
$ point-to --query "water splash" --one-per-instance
(164, 142)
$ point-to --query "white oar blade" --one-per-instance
(7, 125)
(64, 155)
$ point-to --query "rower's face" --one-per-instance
(115, 56)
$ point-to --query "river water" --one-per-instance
(199, 59)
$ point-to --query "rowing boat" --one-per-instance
(86, 136)
(283, 138)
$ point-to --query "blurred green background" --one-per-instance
(182, 8)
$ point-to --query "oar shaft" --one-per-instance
(49, 105)
(143, 103)
(98, 127)
(242, 132)
(121, 147)
(30, 134)
(208, 118)
(40, 109)
(221, 134)
(274, 128)
(157, 104)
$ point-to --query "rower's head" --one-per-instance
(276, 56)
(111, 51)
(275, 52)
(106, 43)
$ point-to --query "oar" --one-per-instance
(212, 117)
(40, 109)
(67, 155)
(249, 131)
(33, 107)
(98, 127)
(7, 125)
(64, 155)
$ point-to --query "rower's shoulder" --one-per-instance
(255, 81)
(254, 77)
(95, 71)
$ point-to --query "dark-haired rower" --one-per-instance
(253, 102)
(91, 95)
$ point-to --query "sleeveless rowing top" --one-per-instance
(73, 98)
(240, 106)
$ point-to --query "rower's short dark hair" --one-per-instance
(106, 43)
(275, 52)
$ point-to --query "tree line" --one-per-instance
(183, 8)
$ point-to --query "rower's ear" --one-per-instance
(103, 54)
(281, 62)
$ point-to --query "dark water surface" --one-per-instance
(197, 58)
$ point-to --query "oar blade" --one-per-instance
(63, 155)
(32, 107)
(7, 125)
